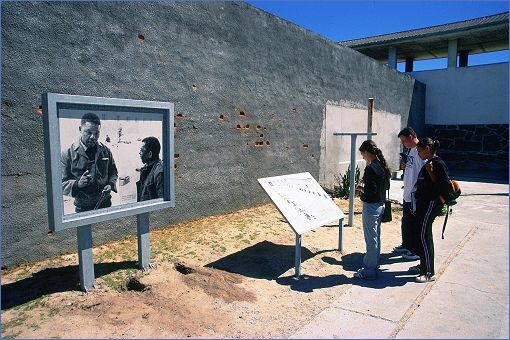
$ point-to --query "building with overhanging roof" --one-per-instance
(466, 107)
(464, 38)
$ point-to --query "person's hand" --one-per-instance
(84, 180)
(107, 189)
(359, 189)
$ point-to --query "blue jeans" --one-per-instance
(371, 217)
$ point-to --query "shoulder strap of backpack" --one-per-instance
(445, 220)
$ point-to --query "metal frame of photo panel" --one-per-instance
(51, 103)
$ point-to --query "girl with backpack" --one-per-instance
(372, 193)
(433, 181)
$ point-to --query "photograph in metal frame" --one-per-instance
(109, 158)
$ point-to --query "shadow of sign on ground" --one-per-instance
(309, 283)
(264, 260)
(53, 280)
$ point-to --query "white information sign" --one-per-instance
(301, 200)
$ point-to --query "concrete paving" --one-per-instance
(469, 299)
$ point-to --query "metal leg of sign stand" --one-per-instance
(340, 227)
(85, 260)
(352, 184)
(297, 267)
(144, 246)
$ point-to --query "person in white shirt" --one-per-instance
(410, 237)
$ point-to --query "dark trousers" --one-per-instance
(426, 213)
(410, 235)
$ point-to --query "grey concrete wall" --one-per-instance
(466, 95)
(210, 59)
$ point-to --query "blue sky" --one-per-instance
(346, 20)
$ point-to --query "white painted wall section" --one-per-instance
(335, 150)
(466, 95)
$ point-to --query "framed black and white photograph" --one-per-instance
(106, 158)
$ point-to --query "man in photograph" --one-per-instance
(150, 185)
(89, 173)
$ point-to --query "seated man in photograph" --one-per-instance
(150, 185)
(89, 173)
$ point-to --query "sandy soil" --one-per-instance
(215, 277)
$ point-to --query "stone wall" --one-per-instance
(212, 60)
(477, 151)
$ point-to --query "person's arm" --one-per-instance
(417, 167)
(370, 190)
(159, 184)
(69, 183)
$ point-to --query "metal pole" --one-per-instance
(85, 260)
(144, 246)
(352, 184)
(297, 265)
(340, 227)
(370, 117)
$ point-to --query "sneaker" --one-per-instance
(415, 270)
(400, 249)
(425, 278)
(410, 256)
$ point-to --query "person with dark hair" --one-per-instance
(150, 185)
(432, 181)
(410, 236)
(89, 173)
(375, 182)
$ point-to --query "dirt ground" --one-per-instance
(215, 277)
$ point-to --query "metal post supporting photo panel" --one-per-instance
(106, 158)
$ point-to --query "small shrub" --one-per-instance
(343, 188)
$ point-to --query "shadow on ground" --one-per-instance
(267, 260)
(353, 262)
(308, 283)
(350, 262)
(53, 280)
(386, 278)
(264, 260)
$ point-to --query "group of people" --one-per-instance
(89, 173)
(425, 180)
